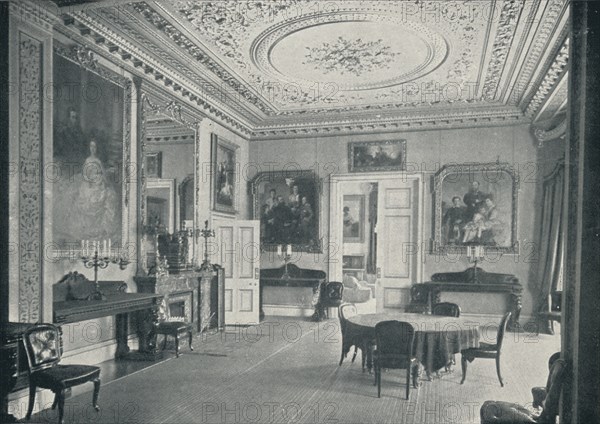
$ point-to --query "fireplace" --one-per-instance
(179, 305)
(180, 293)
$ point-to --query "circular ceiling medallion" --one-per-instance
(354, 51)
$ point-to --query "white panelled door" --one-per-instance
(238, 252)
(398, 245)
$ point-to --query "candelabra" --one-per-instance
(286, 257)
(206, 233)
(96, 261)
(475, 254)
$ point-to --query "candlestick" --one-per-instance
(206, 233)
(286, 256)
(100, 260)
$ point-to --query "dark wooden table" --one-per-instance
(437, 338)
(120, 305)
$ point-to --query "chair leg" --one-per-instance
(32, 389)
(552, 327)
(95, 395)
(463, 363)
(375, 377)
(191, 338)
(177, 345)
(55, 401)
(342, 357)
(498, 370)
(61, 406)
(355, 353)
(408, 372)
(164, 342)
(378, 373)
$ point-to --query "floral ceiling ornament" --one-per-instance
(353, 56)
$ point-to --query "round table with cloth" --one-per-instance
(437, 338)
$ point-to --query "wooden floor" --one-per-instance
(286, 371)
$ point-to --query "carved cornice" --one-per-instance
(459, 119)
(33, 12)
(509, 19)
(554, 74)
(103, 41)
(548, 27)
(190, 46)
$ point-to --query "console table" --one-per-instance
(296, 277)
(70, 306)
(476, 280)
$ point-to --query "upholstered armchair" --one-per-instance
(500, 412)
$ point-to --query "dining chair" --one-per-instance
(332, 295)
(486, 350)
(173, 328)
(394, 350)
(493, 412)
(347, 310)
(446, 309)
(42, 347)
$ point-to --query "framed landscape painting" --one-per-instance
(476, 205)
(287, 203)
(373, 156)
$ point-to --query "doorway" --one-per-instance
(376, 238)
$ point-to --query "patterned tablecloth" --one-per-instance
(437, 338)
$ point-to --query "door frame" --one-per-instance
(335, 246)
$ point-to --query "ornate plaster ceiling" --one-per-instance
(289, 65)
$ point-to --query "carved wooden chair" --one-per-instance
(500, 412)
(419, 300)
(486, 350)
(394, 350)
(166, 327)
(332, 295)
(42, 347)
(552, 311)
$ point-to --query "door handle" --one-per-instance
(256, 273)
(378, 272)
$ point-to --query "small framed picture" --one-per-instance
(373, 156)
(224, 162)
(354, 219)
(154, 165)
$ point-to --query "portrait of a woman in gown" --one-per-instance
(91, 200)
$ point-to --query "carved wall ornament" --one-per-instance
(30, 178)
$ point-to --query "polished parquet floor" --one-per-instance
(286, 371)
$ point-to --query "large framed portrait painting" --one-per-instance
(476, 205)
(92, 116)
(287, 204)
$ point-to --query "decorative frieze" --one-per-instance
(30, 180)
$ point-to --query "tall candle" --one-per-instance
(109, 248)
(82, 247)
(278, 250)
(105, 248)
(289, 250)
